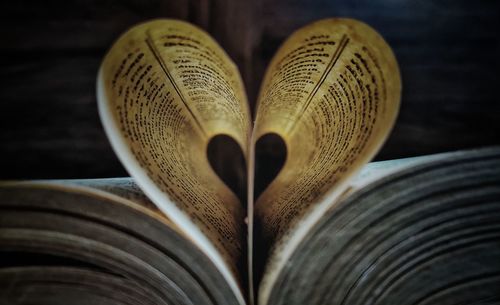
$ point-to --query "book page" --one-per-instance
(399, 239)
(332, 93)
(102, 225)
(376, 170)
(165, 89)
(123, 187)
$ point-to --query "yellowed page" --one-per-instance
(332, 93)
(165, 89)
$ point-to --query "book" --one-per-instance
(305, 219)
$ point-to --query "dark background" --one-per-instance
(51, 50)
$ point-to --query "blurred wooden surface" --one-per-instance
(51, 50)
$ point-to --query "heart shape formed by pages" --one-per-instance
(169, 97)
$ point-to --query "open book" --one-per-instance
(327, 229)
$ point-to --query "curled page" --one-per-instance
(331, 93)
(165, 89)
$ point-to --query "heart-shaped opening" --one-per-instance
(228, 162)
